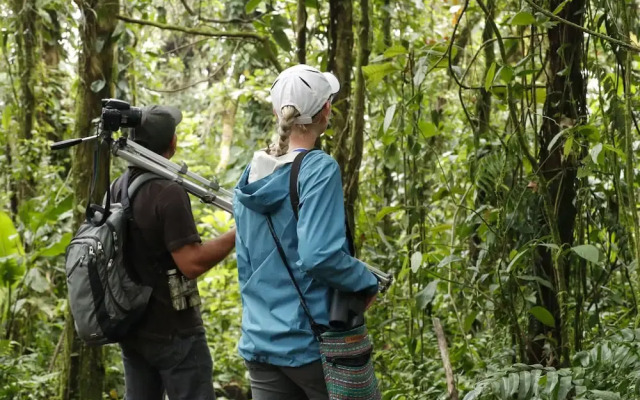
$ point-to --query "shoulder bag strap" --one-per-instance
(315, 327)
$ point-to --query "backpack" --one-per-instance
(105, 300)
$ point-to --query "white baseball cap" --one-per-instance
(305, 88)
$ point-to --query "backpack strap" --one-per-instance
(293, 181)
(295, 198)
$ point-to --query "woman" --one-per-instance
(281, 352)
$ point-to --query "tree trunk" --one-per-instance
(83, 372)
(565, 106)
(357, 128)
(228, 123)
(301, 32)
(340, 63)
(25, 37)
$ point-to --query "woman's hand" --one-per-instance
(370, 300)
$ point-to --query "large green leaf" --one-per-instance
(251, 5)
(10, 243)
(281, 38)
(588, 252)
(491, 73)
(376, 72)
(522, 18)
(543, 315)
(426, 295)
(57, 248)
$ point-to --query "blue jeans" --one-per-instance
(182, 367)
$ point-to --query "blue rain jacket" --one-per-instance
(275, 329)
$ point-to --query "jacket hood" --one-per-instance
(264, 185)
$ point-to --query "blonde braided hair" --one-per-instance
(289, 114)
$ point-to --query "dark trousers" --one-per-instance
(271, 382)
(181, 367)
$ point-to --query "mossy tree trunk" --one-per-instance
(83, 370)
(340, 64)
(23, 156)
(351, 180)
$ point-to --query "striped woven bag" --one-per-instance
(346, 361)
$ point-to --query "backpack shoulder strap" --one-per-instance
(293, 182)
(295, 198)
(138, 182)
(128, 190)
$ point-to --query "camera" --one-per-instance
(118, 113)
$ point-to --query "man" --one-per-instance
(167, 350)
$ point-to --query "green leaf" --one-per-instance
(616, 150)
(416, 261)
(564, 388)
(251, 5)
(491, 73)
(554, 140)
(388, 117)
(568, 145)
(552, 382)
(448, 260)
(385, 211)
(595, 153)
(36, 281)
(605, 395)
(522, 18)
(426, 295)
(376, 72)
(515, 259)
(311, 4)
(588, 252)
(468, 321)
(525, 385)
(561, 7)
(57, 248)
(428, 129)
(10, 243)
(281, 38)
(505, 74)
(97, 86)
(393, 51)
(538, 279)
(543, 315)
(6, 117)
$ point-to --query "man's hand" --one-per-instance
(195, 259)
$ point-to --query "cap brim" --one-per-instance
(333, 82)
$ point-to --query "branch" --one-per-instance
(189, 86)
(583, 29)
(215, 21)
(446, 361)
(211, 33)
(194, 31)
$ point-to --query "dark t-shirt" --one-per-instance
(163, 222)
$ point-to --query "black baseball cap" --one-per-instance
(157, 127)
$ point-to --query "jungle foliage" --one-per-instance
(488, 157)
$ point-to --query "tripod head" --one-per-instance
(115, 114)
